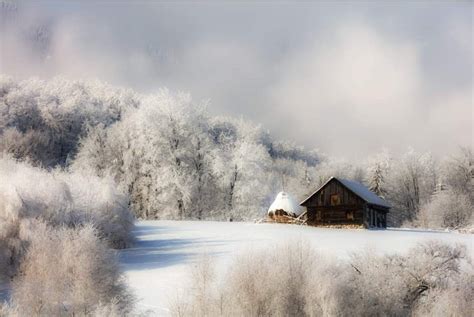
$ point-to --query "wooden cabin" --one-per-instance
(345, 202)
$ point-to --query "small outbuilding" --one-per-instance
(283, 208)
(345, 202)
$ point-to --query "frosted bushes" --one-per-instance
(396, 285)
(250, 289)
(97, 200)
(455, 300)
(447, 209)
(61, 198)
(67, 272)
(31, 193)
(58, 199)
(267, 283)
(24, 194)
(373, 285)
(294, 280)
(55, 232)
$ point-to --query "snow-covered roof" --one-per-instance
(364, 193)
(358, 189)
(285, 202)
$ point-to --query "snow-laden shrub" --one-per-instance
(10, 244)
(428, 270)
(67, 272)
(294, 280)
(447, 209)
(96, 200)
(203, 291)
(268, 283)
(59, 199)
(454, 300)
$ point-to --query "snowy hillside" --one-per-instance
(159, 265)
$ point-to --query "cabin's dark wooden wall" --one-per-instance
(320, 210)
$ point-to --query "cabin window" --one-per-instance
(350, 215)
(335, 200)
(318, 215)
(321, 197)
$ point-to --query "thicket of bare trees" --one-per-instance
(294, 280)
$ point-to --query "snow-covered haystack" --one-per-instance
(283, 206)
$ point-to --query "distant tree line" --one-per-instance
(176, 161)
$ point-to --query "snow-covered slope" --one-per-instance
(160, 264)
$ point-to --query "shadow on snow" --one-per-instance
(161, 252)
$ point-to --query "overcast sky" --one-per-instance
(346, 78)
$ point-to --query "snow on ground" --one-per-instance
(159, 266)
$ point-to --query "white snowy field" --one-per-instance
(158, 267)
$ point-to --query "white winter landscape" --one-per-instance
(160, 265)
(236, 158)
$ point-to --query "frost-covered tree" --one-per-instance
(452, 203)
(180, 154)
(43, 120)
(457, 172)
(377, 169)
(161, 154)
(447, 209)
(410, 183)
(240, 167)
